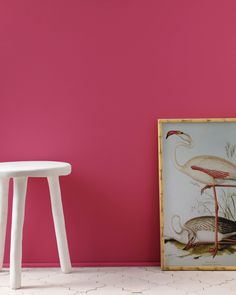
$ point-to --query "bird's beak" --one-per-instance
(172, 132)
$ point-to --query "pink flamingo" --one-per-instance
(209, 170)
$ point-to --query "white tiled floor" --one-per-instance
(121, 281)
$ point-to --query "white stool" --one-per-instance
(20, 171)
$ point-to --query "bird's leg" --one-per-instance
(190, 243)
(215, 185)
(188, 246)
(215, 249)
(196, 245)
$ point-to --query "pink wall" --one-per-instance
(84, 82)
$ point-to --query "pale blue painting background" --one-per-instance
(180, 195)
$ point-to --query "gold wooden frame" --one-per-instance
(161, 199)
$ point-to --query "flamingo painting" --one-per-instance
(211, 171)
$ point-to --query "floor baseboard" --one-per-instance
(90, 264)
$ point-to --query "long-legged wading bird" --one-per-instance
(209, 170)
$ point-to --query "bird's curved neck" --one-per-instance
(178, 165)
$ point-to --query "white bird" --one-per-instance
(206, 169)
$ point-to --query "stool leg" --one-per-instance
(59, 223)
(4, 185)
(18, 210)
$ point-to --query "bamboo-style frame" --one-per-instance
(160, 122)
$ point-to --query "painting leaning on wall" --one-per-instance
(197, 173)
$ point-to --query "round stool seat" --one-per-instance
(34, 169)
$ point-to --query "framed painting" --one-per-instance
(197, 182)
